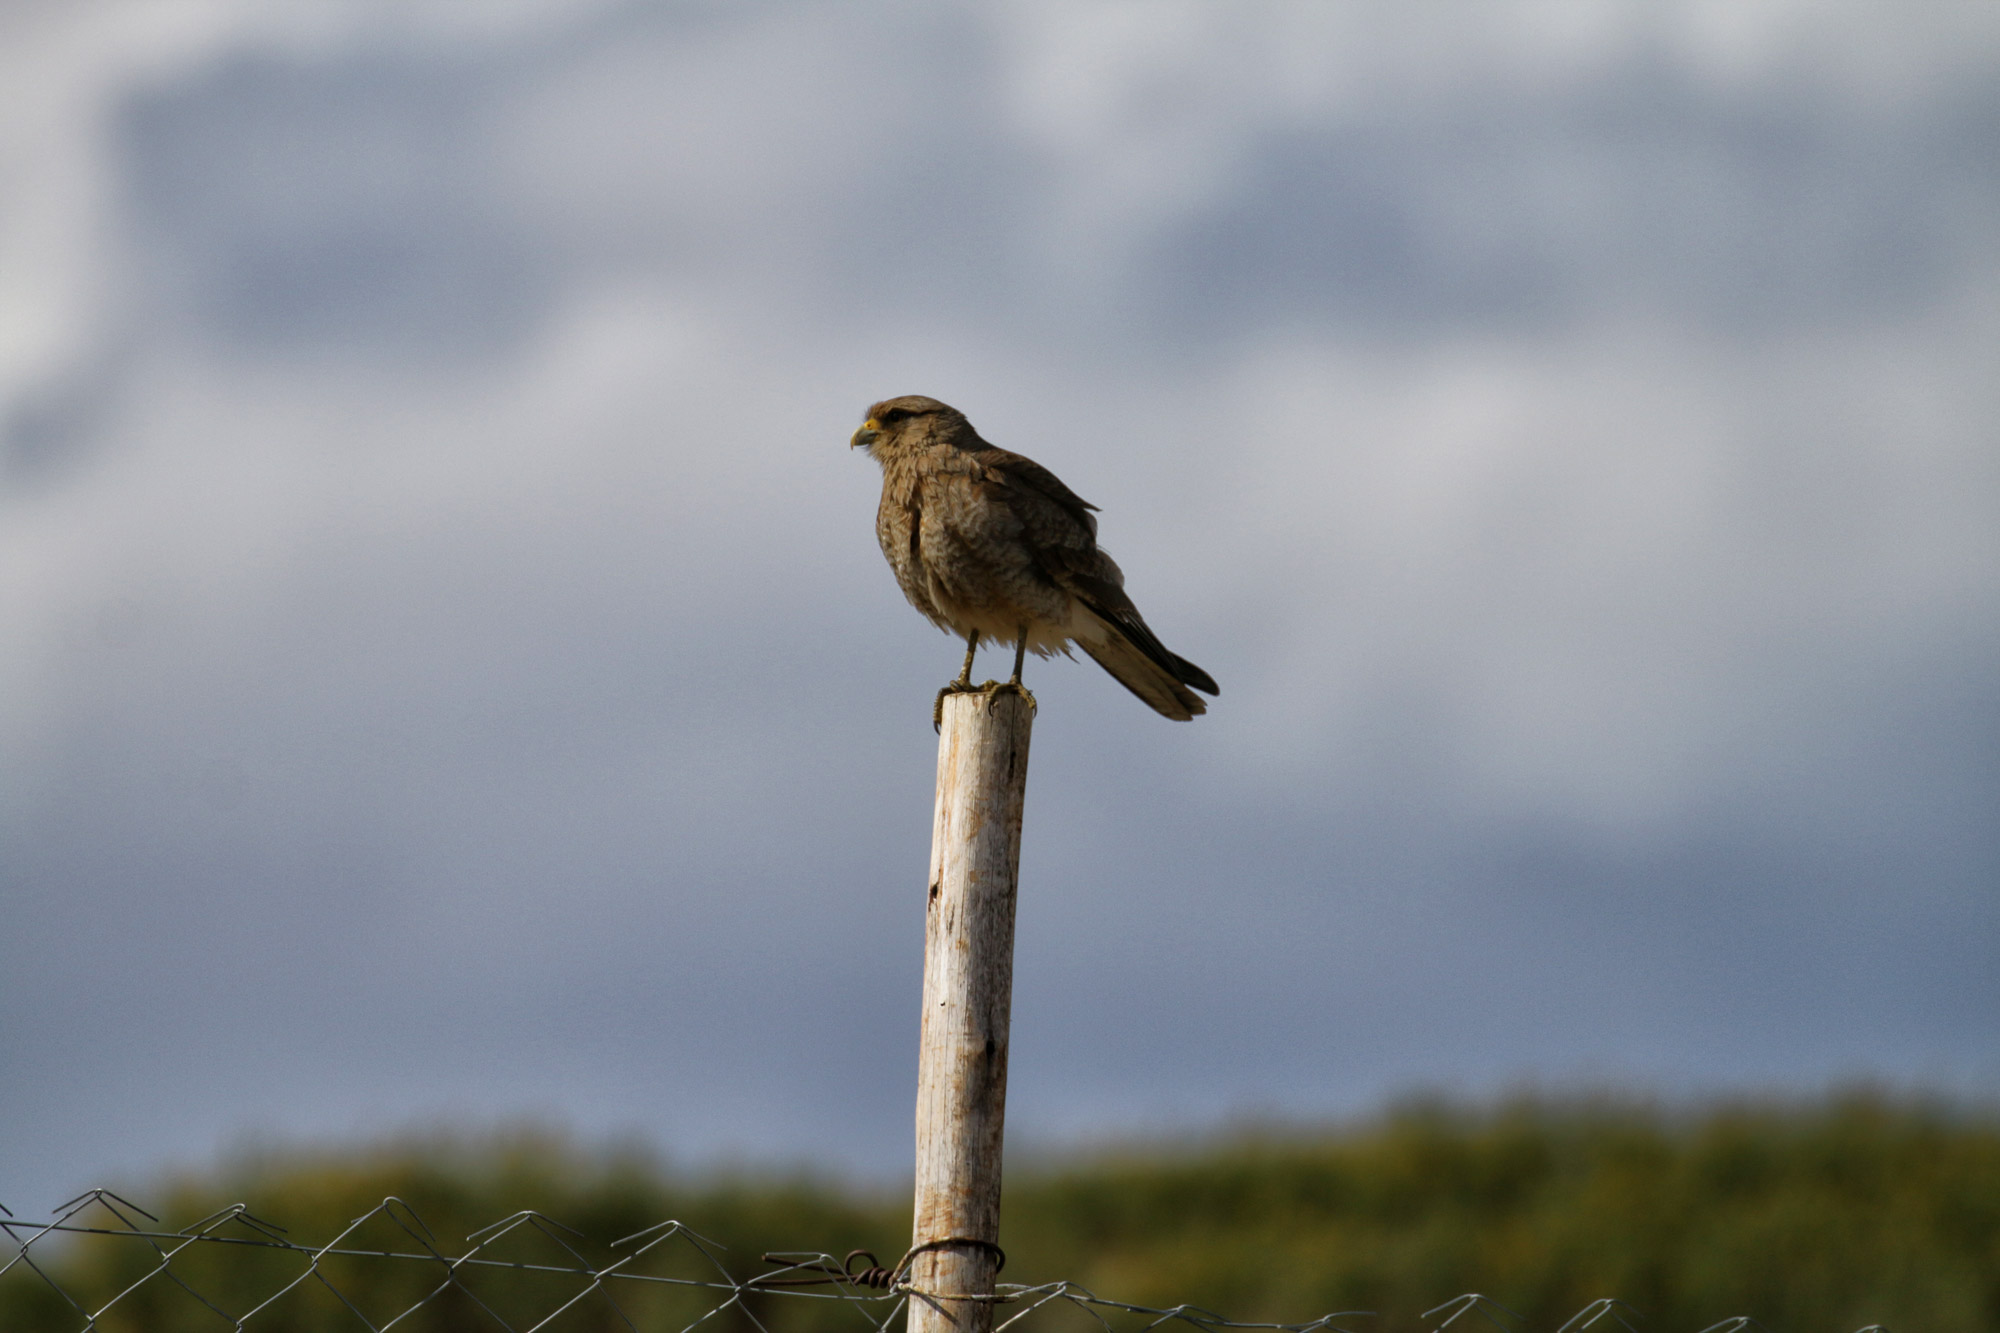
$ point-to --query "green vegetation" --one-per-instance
(1833, 1216)
(1829, 1216)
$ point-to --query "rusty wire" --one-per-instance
(873, 1274)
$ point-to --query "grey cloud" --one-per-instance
(370, 203)
(59, 421)
(392, 202)
(462, 678)
(1645, 188)
(342, 205)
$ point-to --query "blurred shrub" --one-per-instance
(450, 1188)
(1832, 1215)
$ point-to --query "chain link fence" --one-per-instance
(104, 1263)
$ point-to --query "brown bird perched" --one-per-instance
(991, 545)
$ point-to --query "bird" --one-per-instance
(991, 546)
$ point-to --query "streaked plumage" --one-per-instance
(987, 542)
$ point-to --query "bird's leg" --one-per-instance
(994, 689)
(963, 685)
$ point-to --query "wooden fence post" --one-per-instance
(968, 991)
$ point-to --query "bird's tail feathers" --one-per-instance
(1129, 649)
(1140, 672)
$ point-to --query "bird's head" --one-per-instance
(911, 416)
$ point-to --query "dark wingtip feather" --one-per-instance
(1191, 674)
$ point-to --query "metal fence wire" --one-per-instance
(526, 1272)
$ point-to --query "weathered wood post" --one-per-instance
(968, 991)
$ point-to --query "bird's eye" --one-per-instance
(896, 414)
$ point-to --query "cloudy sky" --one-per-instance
(446, 671)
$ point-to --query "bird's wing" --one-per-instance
(1062, 535)
(1050, 512)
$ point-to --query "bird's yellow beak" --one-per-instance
(871, 431)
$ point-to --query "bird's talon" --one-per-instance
(959, 686)
(993, 689)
